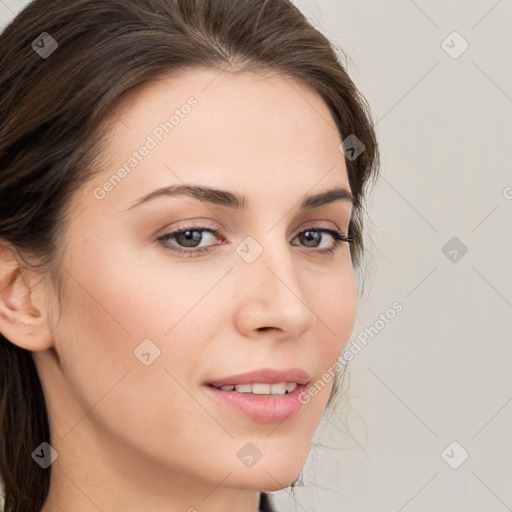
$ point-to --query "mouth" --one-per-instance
(264, 396)
(260, 388)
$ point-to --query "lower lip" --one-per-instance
(261, 408)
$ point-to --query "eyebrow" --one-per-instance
(235, 201)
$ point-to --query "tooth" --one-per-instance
(257, 388)
(261, 389)
(243, 388)
(278, 389)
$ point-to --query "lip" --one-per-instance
(260, 408)
(264, 376)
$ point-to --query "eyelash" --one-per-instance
(336, 235)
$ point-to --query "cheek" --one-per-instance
(334, 301)
(105, 316)
(336, 307)
(114, 300)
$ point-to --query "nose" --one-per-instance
(273, 295)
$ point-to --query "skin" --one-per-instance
(134, 437)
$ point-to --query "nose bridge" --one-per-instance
(269, 260)
(272, 284)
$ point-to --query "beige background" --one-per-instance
(440, 371)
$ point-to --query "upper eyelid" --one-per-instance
(202, 225)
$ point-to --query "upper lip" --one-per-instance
(264, 376)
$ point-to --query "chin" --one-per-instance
(267, 477)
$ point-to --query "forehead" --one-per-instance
(225, 129)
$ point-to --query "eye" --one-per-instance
(314, 235)
(191, 237)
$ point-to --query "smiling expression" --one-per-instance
(216, 255)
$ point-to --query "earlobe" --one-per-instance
(23, 319)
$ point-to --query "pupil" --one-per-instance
(311, 236)
(191, 238)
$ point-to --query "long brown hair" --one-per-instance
(52, 108)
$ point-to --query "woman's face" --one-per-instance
(144, 327)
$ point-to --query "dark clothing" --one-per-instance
(266, 504)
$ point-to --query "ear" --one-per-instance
(23, 313)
